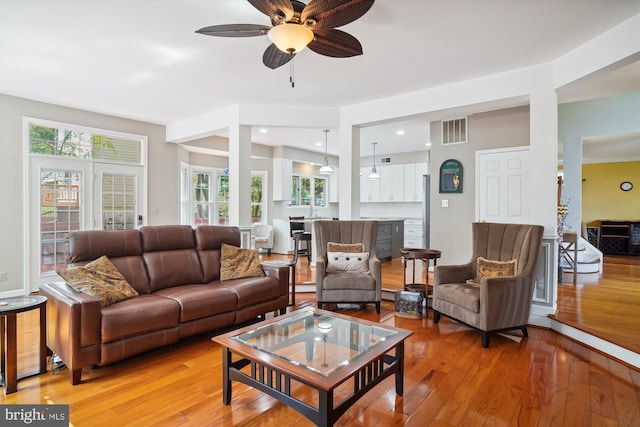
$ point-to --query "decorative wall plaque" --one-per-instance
(451, 176)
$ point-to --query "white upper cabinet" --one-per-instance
(391, 183)
(413, 172)
(369, 188)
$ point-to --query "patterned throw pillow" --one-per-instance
(349, 262)
(100, 279)
(492, 268)
(237, 263)
(345, 247)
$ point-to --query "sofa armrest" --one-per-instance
(453, 273)
(73, 326)
(281, 273)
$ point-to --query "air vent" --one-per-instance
(454, 131)
(385, 160)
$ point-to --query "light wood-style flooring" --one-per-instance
(450, 380)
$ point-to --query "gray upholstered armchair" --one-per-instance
(494, 304)
(348, 286)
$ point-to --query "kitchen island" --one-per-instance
(390, 236)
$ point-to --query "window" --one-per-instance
(210, 195)
(258, 207)
(308, 191)
(79, 178)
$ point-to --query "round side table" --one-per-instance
(9, 308)
(413, 254)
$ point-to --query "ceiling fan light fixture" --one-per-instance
(290, 38)
(325, 169)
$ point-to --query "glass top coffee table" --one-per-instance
(319, 349)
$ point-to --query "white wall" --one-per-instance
(163, 177)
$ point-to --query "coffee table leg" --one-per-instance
(226, 382)
(325, 408)
(400, 373)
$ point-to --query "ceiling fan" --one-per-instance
(296, 25)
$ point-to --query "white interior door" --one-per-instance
(118, 197)
(502, 185)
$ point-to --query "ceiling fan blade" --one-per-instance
(335, 43)
(274, 7)
(274, 57)
(335, 13)
(235, 30)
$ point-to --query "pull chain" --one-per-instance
(292, 71)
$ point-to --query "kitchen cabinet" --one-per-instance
(282, 173)
(397, 183)
(413, 233)
(369, 188)
(412, 174)
(391, 183)
(390, 239)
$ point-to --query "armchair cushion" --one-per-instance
(100, 279)
(238, 263)
(494, 268)
(350, 262)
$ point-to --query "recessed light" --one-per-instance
(400, 132)
(428, 144)
(319, 144)
(263, 130)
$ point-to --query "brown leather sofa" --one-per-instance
(176, 270)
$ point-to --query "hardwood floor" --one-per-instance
(450, 380)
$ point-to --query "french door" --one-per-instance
(69, 195)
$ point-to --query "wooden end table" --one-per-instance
(413, 254)
(9, 308)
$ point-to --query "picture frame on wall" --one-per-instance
(451, 176)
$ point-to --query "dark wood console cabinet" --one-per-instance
(620, 237)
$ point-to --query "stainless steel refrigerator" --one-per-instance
(426, 204)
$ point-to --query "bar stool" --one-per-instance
(298, 234)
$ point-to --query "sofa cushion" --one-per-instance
(238, 263)
(138, 316)
(494, 268)
(100, 279)
(209, 240)
(201, 300)
(345, 247)
(254, 290)
(351, 262)
(170, 255)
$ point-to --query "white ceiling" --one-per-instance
(141, 59)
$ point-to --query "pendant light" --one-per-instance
(325, 169)
(374, 173)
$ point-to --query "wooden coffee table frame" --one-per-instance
(273, 375)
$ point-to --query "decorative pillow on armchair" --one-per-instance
(345, 247)
(492, 268)
(349, 262)
(237, 263)
(100, 279)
